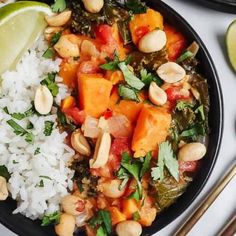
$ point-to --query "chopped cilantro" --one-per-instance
(37, 151)
(147, 78)
(49, 81)
(181, 105)
(165, 159)
(127, 93)
(15, 162)
(48, 127)
(29, 138)
(5, 109)
(55, 38)
(194, 131)
(45, 177)
(49, 53)
(135, 6)
(185, 55)
(29, 126)
(146, 164)
(200, 110)
(136, 216)
(41, 184)
(53, 218)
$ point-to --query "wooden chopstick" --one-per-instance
(193, 219)
(229, 229)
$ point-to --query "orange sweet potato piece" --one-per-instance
(176, 42)
(151, 129)
(68, 102)
(116, 215)
(94, 94)
(151, 19)
(68, 72)
(114, 76)
(129, 207)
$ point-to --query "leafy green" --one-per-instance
(15, 162)
(181, 105)
(20, 116)
(5, 109)
(200, 110)
(41, 184)
(48, 127)
(102, 220)
(127, 93)
(136, 216)
(49, 53)
(194, 131)
(37, 151)
(137, 194)
(130, 78)
(49, 81)
(59, 6)
(53, 218)
(4, 172)
(135, 6)
(123, 27)
(165, 159)
(147, 78)
(29, 125)
(64, 122)
(55, 38)
(29, 138)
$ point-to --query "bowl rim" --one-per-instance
(154, 228)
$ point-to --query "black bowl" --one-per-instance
(25, 227)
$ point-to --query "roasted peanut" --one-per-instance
(73, 205)
(93, 6)
(192, 152)
(129, 228)
(80, 143)
(111, 188)
(171, 72)
(43, 100)
(3, 189)
(153, 41)
(59, 19)
(67, 46)
(157, 95)
(102, 149)
(66, 225)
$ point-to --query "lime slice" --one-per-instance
(231, 43)
(21, 24)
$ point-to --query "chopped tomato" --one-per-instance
(188, 166)
(175, 93)
(78, 116)
(141, 31)
(108, 114)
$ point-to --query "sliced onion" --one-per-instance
(90, 127)
(119, 126)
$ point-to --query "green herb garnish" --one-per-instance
(53, 218)
(48, 127)
(29, 138)
(127, 93)
(135, 6)
(41, 184)
(147, 78)
(49, 81)
(185, 55)
(136, 216)
(165, 159)
(37, 151)
(49, 53)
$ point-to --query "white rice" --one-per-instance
(16, 93)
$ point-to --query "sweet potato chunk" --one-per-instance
(151, 19)
(151, 129)
(94, 94)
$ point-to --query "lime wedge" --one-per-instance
(21, 24)
(231, 43)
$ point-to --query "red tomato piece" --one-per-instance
(104, 33)
(174, 93)
(141, 31)
(108, 114)
(76, 115)
(188, 166)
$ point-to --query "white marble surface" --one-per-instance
(211, 26)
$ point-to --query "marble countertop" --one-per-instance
(211, 26)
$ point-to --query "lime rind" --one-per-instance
(231, 43)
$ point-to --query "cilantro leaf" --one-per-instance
(130, 78)
(49, 81)
(49, 53)
(101, 231)
(194, 131)
(59, 6)
(37, 151)
(18, 130)
(146, 164)
(127, 93)
(4, 172)
(48, 127)
(135, 195)
(136, 216)
(136, 6)
(200, 110)
(29, 138)
(147, 78)
(20, 116)
(55, 38)
(165, 159)
(53, 218)
(185, 55)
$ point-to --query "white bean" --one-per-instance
(192, 152)
(129, 228)
(93, 6)
(153, 41)
(66, 225)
